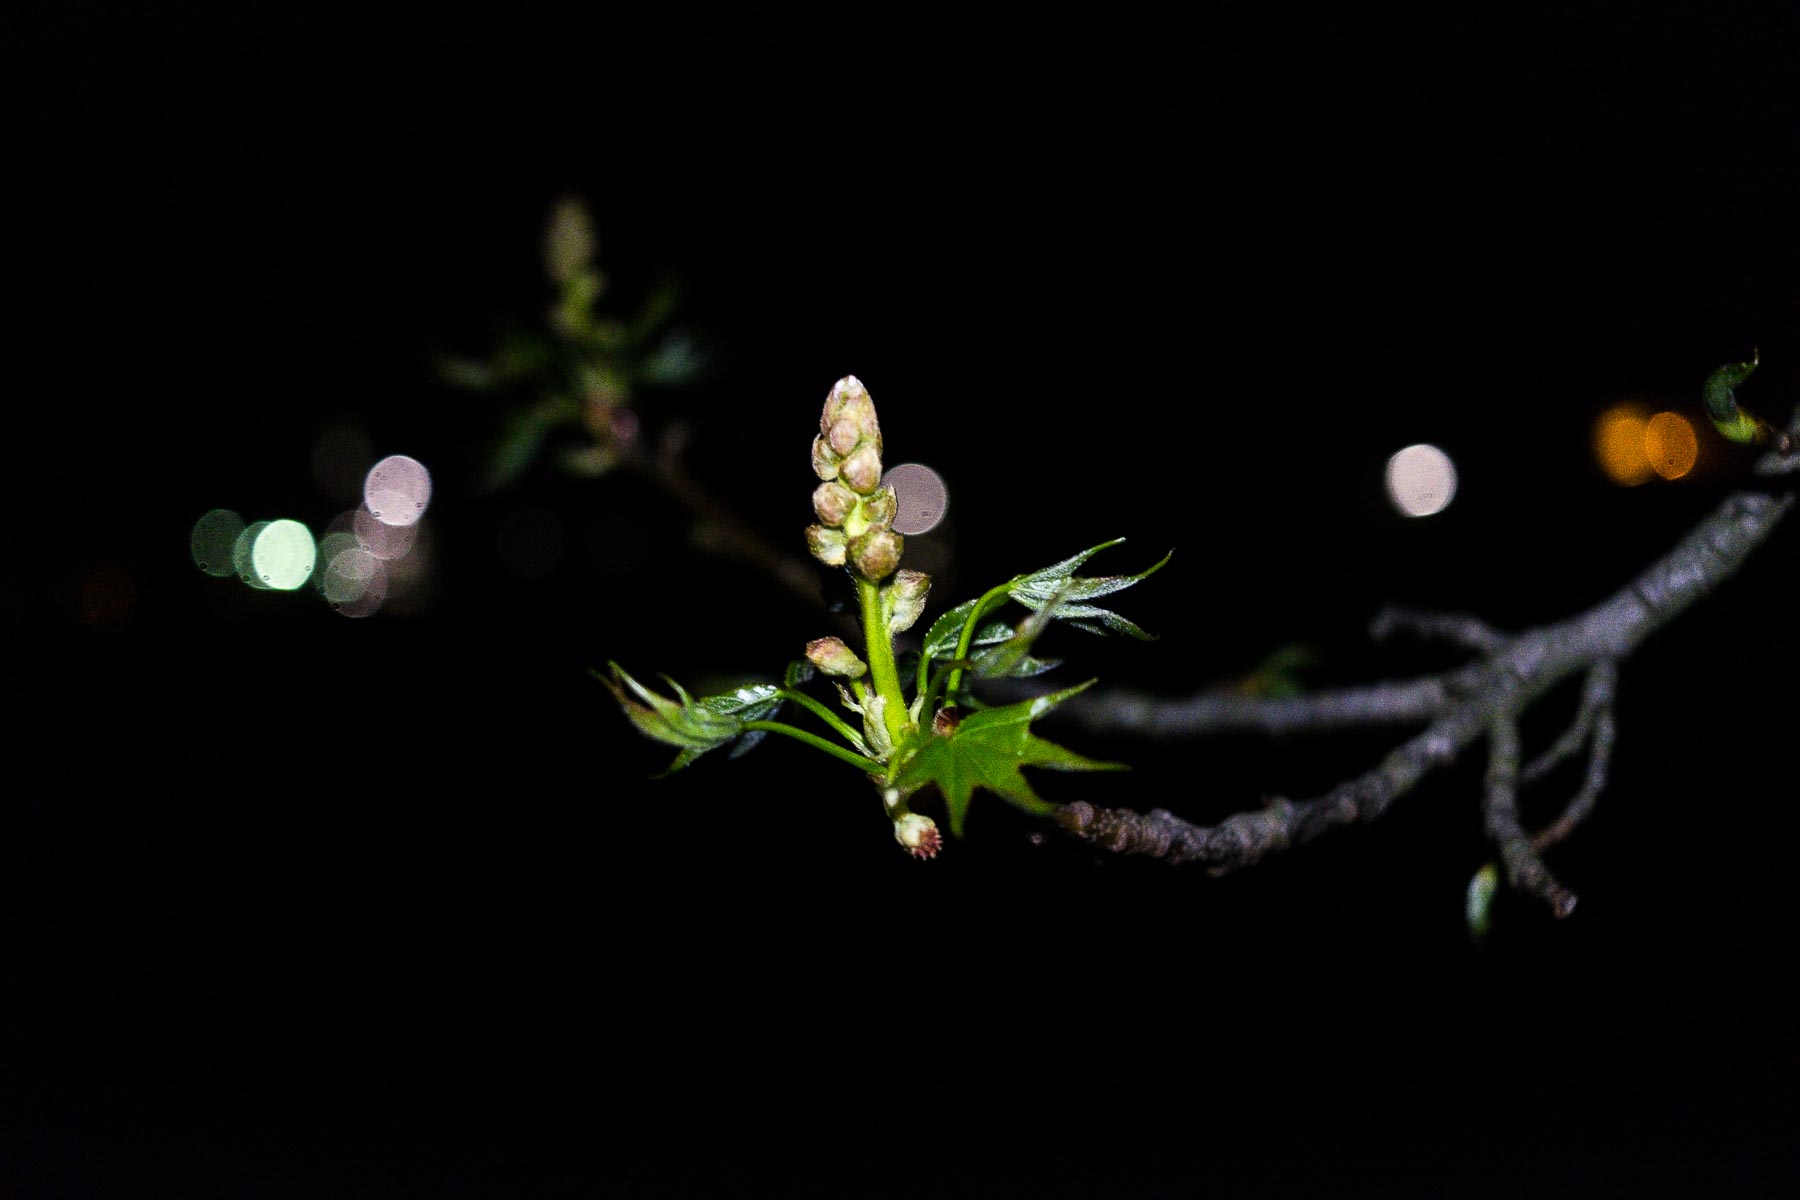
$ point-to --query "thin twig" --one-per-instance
(726, 533)
(1461, 629)
(1596, 699)
(1500, 817)
(1582, 803)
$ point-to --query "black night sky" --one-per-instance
(295, 905)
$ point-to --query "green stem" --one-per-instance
(818, 743)
(982, 608)
(937, 678)
(826, 715)
(882, 671)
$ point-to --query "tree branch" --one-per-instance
(1484, 699)
(720, 529)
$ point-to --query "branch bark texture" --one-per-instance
(1479, 702)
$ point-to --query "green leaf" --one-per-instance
(1098, 620)
(1049, 594)
(694, 726)
(522, 355)
(997, 663)
(1719, 392)
(677, 360)
(940, 639)
(522, 439)
(1478, 908)
(656, 311)
(940, 642)
(752, 702)
(1012, 658)
(472, 374)
(987, 749)
(519, 356)
(1055, 588)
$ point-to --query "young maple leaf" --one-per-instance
(986, 749)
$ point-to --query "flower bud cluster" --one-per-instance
(856, 513)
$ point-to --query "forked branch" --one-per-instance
(1482, 700)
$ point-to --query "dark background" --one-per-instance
(296, 905)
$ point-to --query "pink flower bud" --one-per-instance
(833, 657)
(837, 398)
(876, 553)
(862, 470)
(849, 417)
(833, 502)
(842, 393)
(827, 545)
(843, 436)
(906, 599)
(919, 834)
(880, 508)
(825, 463)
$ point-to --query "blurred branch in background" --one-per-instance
(574, 391)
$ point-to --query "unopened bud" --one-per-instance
(849, 417)
(825, 463)
(861, 472)
(568, 241)
(842, 393)
(843, 436)
(905, 599)
(833, 502)
(862, 416)
(833, 657)
(880, 508)
(876, 553)
(875, 730)
(919, 834)
(827, 545)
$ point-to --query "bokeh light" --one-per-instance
(1421, 480)
(396, 490)
(367, 565)
(347, 574)
(283, 554)
(1633, 446)
(373, 595)
(377, 555)
(212, 540)
(922, 498)
(241, 555)
(337, 539)
(1670, 444)
(1619, 445)
(385, 540)
(353, 578)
